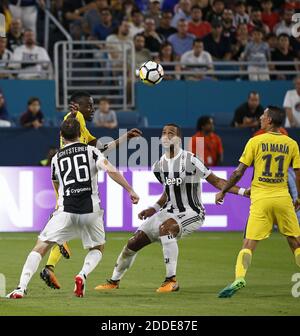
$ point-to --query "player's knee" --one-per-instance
(138, 241)
(99, 247)
(169, 227)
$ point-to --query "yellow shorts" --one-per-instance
(264, 213)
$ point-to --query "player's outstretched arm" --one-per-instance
(230, 185)
(118, 178)
(133, 133)
(146, 213)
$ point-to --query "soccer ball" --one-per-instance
(151, 73)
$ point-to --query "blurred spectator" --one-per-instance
(241, 15)
(5, 57)
(240, 41)
(198, 60)
(258, 53)
(216, 12)
(182, 41)
(73, 9)
(29, 51)
(47, 161)
(33, 117)
(248, 114)
(165, 29)
(142, 54)
(196, 25)
(292, 4)
(15, 36)
(128, 6)
(271, 39)
(256, 21)
(92, 17)
(3, 109)
(167, 55)
(285, 25)
(104, 116)
(283, 53)
(154, 11)
(291, 105)
(269, 17)
(153, 40)
(137, 24)
(106, 26)
(121, 35)
(213, 148)
(204, 5)
(229, 28)
(7, 14)
(26, 11)
(216, 43)
(182, 11)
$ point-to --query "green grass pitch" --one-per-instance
(206, 265)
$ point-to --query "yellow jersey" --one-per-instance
(271, 155)
(85, 135)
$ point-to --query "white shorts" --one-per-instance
(188, 221)
(65, 226)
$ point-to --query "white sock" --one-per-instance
(30, 267)
(170, 251)
(91, 260)
(124, 261)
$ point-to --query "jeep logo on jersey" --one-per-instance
(171, 181)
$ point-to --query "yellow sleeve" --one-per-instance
(296, 157)
(248, 154)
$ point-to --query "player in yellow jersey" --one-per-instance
(271, 154)
(82, 108)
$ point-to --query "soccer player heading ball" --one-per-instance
(74, 171)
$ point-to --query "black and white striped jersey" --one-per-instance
(75, 168)
(181, 177)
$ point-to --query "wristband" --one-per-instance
(242, 191)
(156, 207)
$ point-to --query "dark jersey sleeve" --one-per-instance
(156, 171)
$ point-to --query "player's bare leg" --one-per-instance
(242, 264)
(168, 232)
(294, 243)
(91, 261)
(30, 267)
(126, 259)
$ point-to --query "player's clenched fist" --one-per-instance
(146, 213)
(134, 197)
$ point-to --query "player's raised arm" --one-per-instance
(114, 174)
(133, 133)
(154, 208)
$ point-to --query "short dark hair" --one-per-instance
(197, 40)
(202, 121)
(283, 35)
(78, 95)
(70, 129)
(32, 100)
(179, 132)
(277, 115)
(139, 35)
(252, 93)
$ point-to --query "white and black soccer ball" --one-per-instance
(151, 73)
